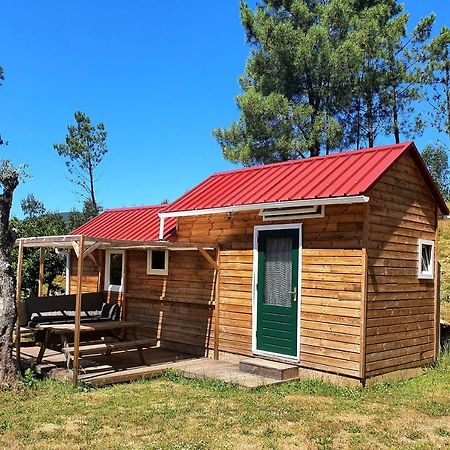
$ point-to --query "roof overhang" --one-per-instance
(271, 205)
(67, 241)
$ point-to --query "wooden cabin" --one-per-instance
(326, 263)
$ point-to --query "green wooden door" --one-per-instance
(277, 291)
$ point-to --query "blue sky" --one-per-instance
(160, 75)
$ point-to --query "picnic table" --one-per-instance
(105, 328)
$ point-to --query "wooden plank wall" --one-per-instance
(400, 308)
(331, 283)
(175, 309)
(90, 272)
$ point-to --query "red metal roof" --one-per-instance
(139, 223)
(342, 174)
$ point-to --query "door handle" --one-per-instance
(294, 295)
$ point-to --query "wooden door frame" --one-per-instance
(257, 229)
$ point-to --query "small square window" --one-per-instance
(157, 262)
(114, 271)
(426, 259)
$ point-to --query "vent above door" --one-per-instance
(297, 212)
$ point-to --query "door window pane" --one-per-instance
(278, 271)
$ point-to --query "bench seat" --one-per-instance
(108, 347)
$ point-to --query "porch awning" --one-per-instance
(91, 242)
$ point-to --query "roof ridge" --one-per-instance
(314, 158)
(125, 208)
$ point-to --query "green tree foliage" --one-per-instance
(323, 75)
(39, 222)
(84, 149)
(295, 81)
(435, 74)
(31, 207)
(78, 218)
(385, 86)
(436, 159)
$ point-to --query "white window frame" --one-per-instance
(428, 275)
(108, 286)
(150, 270)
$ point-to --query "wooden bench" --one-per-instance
(106, 348)
(107, 329)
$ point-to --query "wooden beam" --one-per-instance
(41, 272)
(18, 302)
(208, 258)
(76, 248)
(90, 249)
(217, 306)
(76, 345)
(364, 289)
(92, 258)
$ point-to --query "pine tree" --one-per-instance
(295, 83)
(84, 150)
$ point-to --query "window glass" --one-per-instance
(115, 269)
(426, 258)
(158, 259)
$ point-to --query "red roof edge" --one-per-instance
(411, 147)
(89, 221)
(429, 179)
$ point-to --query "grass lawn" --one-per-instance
(172, 412)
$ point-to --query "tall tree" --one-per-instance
(295, 81)
(435, 74)
(32, 207)
(84, 149)
(9, 180)
(402, 84)
(385, 86)
(40, 222)
(436, 159)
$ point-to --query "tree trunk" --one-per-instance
(92, 193)
(358, 125)
(395, 117)
(447, 96)
(9, 180)
(370, 123)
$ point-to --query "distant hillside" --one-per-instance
(444, 258)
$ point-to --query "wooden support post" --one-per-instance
(76, 344)
(437, 291)
(217, 307)
(364, 289)
(123, 303)
(18, 302)
(101, 258)
(68, 271)
(41, 272)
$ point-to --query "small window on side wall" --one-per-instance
(157, 261)
(426, 259)
(114, 271)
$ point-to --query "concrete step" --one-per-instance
(270, 369)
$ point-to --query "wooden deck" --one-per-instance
(125, 366)
(101, 369)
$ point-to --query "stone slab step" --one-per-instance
(270, 369)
